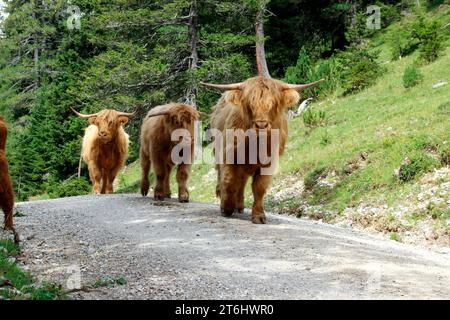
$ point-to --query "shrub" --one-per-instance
(324, 69)
(70, 188)
(401, 42)
(444, 155)
(391, 13)
(357, 68)
(313, 119)
(428, 34)
(313, 177)
(417, 164)
(299, 72)
(411, 77)
(306, 70)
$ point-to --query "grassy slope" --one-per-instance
(386, 121)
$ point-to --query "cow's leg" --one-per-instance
(7, 205)
(160, 172)
(241, 193)
(259, 188)
(96, 177)
(219, 180)
(167, 192)
(182, 178)
(105, 174)
(111, 177)
(228, 190)
(145, 168)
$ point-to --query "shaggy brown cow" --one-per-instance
(157, 147)
(260, 104)
(6, 189)
(105, 147)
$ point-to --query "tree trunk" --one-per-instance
(261, 62)
(191, 92)
(36, 50)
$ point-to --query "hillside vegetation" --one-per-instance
(376, 159)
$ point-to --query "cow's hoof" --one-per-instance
(159, 198)
(145, 186)
(227, 212)
(16, 237)
(261, 219)
(240, 210)
(183, 199)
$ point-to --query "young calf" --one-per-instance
(157, 147)
(105, 147)
(6, 189)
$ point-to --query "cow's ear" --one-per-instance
(92, 120)
(291, 97)
(234, 97)
(123, 120)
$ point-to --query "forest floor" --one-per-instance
(130, 247)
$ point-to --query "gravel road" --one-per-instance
(188, 251)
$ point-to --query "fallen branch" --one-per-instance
(301, 109)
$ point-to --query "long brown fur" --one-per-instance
(6, 188)
(261, 101)
(105, 156)
(156, 149)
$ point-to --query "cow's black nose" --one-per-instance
(262, 124)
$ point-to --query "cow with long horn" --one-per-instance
(105, 147)
(259, 104)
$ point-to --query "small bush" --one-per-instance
(444, 155)
(394, 236)
(70, 188)
(428, 34)
(325, 139)
(324, 69)
(110, 282)
(411, 77)
(357, 68)
(313, 177)
(401, 42)
(313, 119)
(416, 165)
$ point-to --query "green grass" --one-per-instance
(16, 284)
(386, 121)
(395, 237)
(109, 282)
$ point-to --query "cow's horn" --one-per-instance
(84, 116)
(301, 87)
(126, 114)
(224, 87)
(157, 114)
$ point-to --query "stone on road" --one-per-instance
(167, 250)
